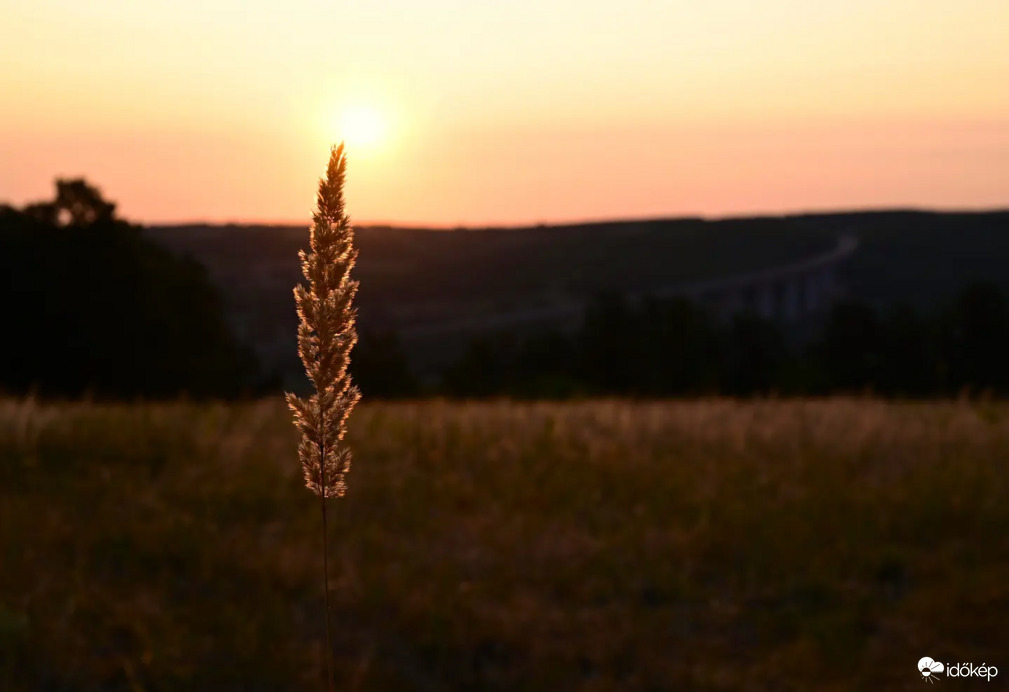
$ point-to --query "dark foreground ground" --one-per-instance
(710, 545)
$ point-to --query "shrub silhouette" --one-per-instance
(91, 305)
(380, 367)
(975, 339)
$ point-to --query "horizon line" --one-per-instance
(828, 211)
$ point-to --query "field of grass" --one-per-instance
(610, 545)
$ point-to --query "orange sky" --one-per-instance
(508, 112)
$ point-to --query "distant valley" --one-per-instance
(437, 289)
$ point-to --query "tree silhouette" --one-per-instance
(90, 304)
(975, 339)
(76, 204)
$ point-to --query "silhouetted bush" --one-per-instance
(753, 355)
(848, 354)
(380, 367)
(91, 306)
(487, 368)
(974, 340)
(911, 363)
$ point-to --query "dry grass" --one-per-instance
(609, 545)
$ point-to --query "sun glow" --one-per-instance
(363, 128)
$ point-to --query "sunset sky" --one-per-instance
(515, 112)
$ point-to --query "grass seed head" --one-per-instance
(326, 336)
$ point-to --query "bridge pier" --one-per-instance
(786, 294)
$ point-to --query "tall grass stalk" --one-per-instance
(326, 335)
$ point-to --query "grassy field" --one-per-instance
(710, 545)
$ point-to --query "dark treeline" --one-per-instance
(90, 306)
(674, 348)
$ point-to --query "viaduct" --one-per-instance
(785, 294)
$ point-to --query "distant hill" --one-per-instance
(436, 288)
(923, 258)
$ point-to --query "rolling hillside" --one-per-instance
(437, 288)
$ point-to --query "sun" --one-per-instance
(362, 128)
